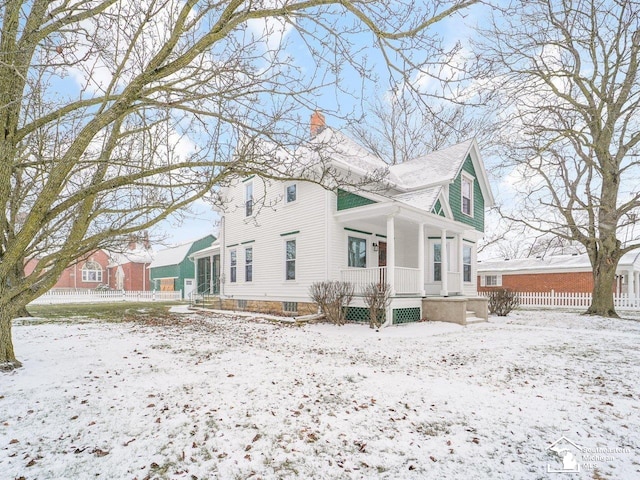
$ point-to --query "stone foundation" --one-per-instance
(262, 306)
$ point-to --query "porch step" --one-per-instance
(471, 318)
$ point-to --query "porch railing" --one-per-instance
(406, 280)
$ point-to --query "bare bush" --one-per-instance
(377, 297)
(332, 297)
(502, 301)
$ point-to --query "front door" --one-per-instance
(382, 261)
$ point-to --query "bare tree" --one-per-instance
(569, 116)
(116, 114)
(401, 127)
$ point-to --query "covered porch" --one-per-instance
(416, 253)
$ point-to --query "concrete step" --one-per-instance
(472, 320)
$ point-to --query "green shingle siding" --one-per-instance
(455, 199)
(185, 269)
(437, 209)
(348, 200)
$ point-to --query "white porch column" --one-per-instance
(444, 265)
(460, 285)
(391, 254)
(211, 274)
(421, 259)
(631, 285)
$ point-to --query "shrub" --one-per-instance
(377, 298)
(502, 301)
(332, 298)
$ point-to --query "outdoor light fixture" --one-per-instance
(375, 246)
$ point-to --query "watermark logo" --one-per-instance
(572, 458)
(569, 454)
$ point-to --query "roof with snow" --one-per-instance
(438, 167)
(173, 255)
(575, 262)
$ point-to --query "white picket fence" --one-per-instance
(103, 296)
(569, 300)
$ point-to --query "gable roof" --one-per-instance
(439, 167)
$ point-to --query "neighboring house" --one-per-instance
(88, 272)
(418, 233)
(173, 270)
(558, 273)
(129, 270)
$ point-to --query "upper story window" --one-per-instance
(248, 264)
(248, 199)
(233, 266)
(290, 260)
(467, 195)
(291, 193)
(357, 252)
(91, 272)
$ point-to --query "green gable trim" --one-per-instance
(437, 209)
(289, 233)
(248, 241)
(358, 231)
(248, 178)
(347, 200)
(455, 198)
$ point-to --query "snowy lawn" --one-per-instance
(203, 396)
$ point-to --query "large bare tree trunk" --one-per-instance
(8, 359)
(604, 275)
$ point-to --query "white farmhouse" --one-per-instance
(417, 232)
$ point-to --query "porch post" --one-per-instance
(391, 254)
(631, 287)
(211, 275)
(421, 259)
(460, 264)
(444, 265)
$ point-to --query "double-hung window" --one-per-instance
(248, 264)
(248, 199)
(291, 193)
(466, 263)
(233, 266)
(467, 195)
(290, 260)
(357, 252)
(437, 262)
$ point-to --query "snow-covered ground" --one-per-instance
(208, 396)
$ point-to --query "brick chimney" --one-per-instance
(317, 123)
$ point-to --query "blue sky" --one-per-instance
(204, 220)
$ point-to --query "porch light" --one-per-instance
(375, 246)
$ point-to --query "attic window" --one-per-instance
(467, 195)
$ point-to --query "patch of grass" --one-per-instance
(112, 312)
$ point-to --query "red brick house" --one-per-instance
(558, 273)
(88, 272)
(126, 270)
